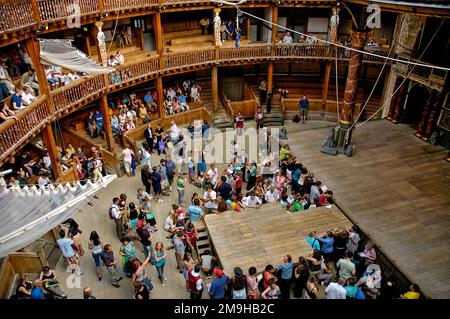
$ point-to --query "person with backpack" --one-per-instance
(304, 104)
(145, 237)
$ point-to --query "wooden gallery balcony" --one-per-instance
(63, 101)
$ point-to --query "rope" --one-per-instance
(376, 82)
(404, 80)
(115, 29)
(335, 44)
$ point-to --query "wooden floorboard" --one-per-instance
(259, 237)
(396, 188)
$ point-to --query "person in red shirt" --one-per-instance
(239, 123)
(195, 282)
(326, 198)
(238, 179)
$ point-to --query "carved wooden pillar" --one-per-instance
(33, 49)
(425, 112)
(394, 99)
(215, 88)
(247, 28)
(160, 101)
(99, 37)
(217, 22)
(50, 144)
(159, 38)
(351, 85)
(274, 34)
(432, 117)
(103, 101)
(400, 101)
(269, 81)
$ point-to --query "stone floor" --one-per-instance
(96, 218)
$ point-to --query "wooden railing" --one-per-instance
(226, 103)
(30, 120)
(177, 60)
(301, 50)
(110, 5)
(245, 52)
(135, 71)
(111, 161)
(62, 9)
(16, 15)
(69, 176)
(76, 92)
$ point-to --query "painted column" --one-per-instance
(351, 86)
(400, 99)
(217, 25)
(103, 101)
(433, 114)
(215, 88)
(50, 144)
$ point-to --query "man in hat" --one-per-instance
(219, 285)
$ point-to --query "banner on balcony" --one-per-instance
(30, 212)
(63, 54)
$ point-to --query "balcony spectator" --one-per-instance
(204, 22)
(5, 78)
(120, 59)
(29, 79)
(91, 127)
(195, 93)
(50, 77)
(16, 100)
(70, 77)
(230, 30)
(98, 117)
(27, 96)
(112, 62)
(288, 38)
(6, 113)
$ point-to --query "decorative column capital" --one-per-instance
(358, 39)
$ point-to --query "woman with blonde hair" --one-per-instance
(88, 293)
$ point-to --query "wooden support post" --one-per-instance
(159, 39)
(50, 144)
(326, 82)
(36, 14)
(214, 88)
(139, 34)
(274, 34)
(247, 28)
(33, 49)
(160, 101)
(107, 122)
(101, 6)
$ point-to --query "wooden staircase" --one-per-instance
(275, 117)
(203, 242)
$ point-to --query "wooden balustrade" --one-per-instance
(378, 51)
(134, 71)
(177, 60)
(111, 5)
(66, 96)
(182, 1)
(301, 50)
(16, 15)
(30, 120)
(62, 9)
(246, 52)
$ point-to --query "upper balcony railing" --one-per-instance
(30, 121)
(63, 9)
(112, 5)
(16, 15)
(134, 71)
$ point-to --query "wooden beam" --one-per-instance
(33, 49)
(50, 144)
(269, 77)
(160, 101)
(326, 82)
(214, 88)
(103, 101)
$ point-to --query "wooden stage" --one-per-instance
(396, 188)
(259, 237)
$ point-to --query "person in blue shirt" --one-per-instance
(286, 269)
(296, 177)
(98, 117)
(16, 100)
(37, 292)
(327, 241)
(148, 98)
(219, 285)
(312, 240)
(195, 211)
(201, 166)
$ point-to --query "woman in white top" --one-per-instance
(127, 159)
(96, 245)
(195, 93)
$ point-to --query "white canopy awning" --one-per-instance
(62, 53)
(29, 213)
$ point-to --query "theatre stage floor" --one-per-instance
(259, 237)
(396, 188)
